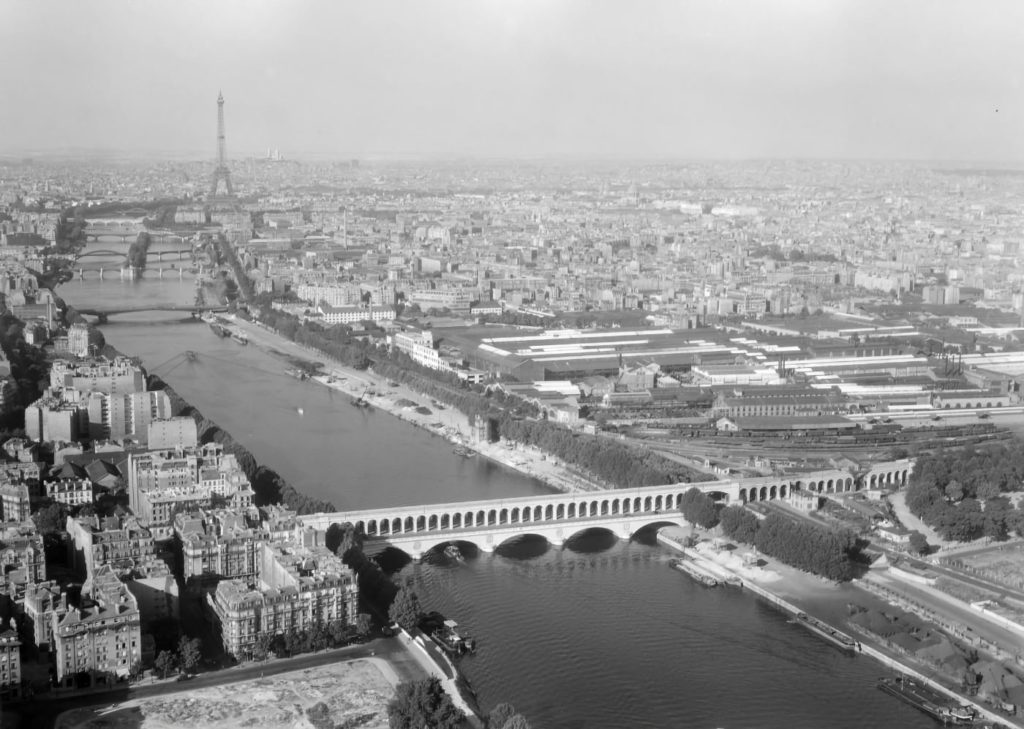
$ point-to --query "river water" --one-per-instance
(598, 634)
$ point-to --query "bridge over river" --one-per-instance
(557, 517)
(192, 309)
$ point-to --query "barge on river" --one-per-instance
(446, 634)
(826, 631)
(932, 702)
(695, 571)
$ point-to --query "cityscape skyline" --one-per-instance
(690, 80)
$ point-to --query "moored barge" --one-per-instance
(932, 702)
(826, 631)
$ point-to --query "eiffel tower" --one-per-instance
(221, 171)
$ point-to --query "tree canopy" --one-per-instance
(699, 508)
(419, 704)
(959, 493)
(405, 610)
(799, 543)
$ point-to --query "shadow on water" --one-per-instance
(392, 560)
(591, 541)
(528, 546)
(648, 535)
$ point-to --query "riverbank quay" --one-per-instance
(446, 422)
(435, 663)
(795, 592)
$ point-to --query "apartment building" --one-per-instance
(298, 587)
(16, 502)
(452, 298)
(55, 417)
(218, 545)
(102, 636)
(162, 483)
(419, 345)
(70, 491)
(331, 315)
(10, 665)
(22, 558)
(126, 414)
(120, 542)
(119, 375)
(41, 603)
(169, 433)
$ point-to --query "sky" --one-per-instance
(650, 79)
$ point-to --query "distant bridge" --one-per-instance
(557, 517)
(124, 233)
(181, 254)
(102, 314)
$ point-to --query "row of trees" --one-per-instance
(818, 549)
(619, 464)
(960, 494)
(319, 637)
(797, 542)
(336, 342)
(227, 252)
(29, 369)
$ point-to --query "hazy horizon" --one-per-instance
(534, 79)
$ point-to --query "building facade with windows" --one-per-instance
(10, 665)
(102, 637)
(298, 587)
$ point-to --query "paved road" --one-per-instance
(898, 500)
(43, 713)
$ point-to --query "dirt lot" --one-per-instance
(356, 693)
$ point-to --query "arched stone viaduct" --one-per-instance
(557, 517)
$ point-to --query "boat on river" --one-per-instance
(461, 450)
(445, 633)
(932, 702)
(218, 328)
(826, 631)
(297, 373)
(695, 571)
(453, 553)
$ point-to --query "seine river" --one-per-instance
(598, 634)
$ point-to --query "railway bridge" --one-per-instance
(557, 517)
